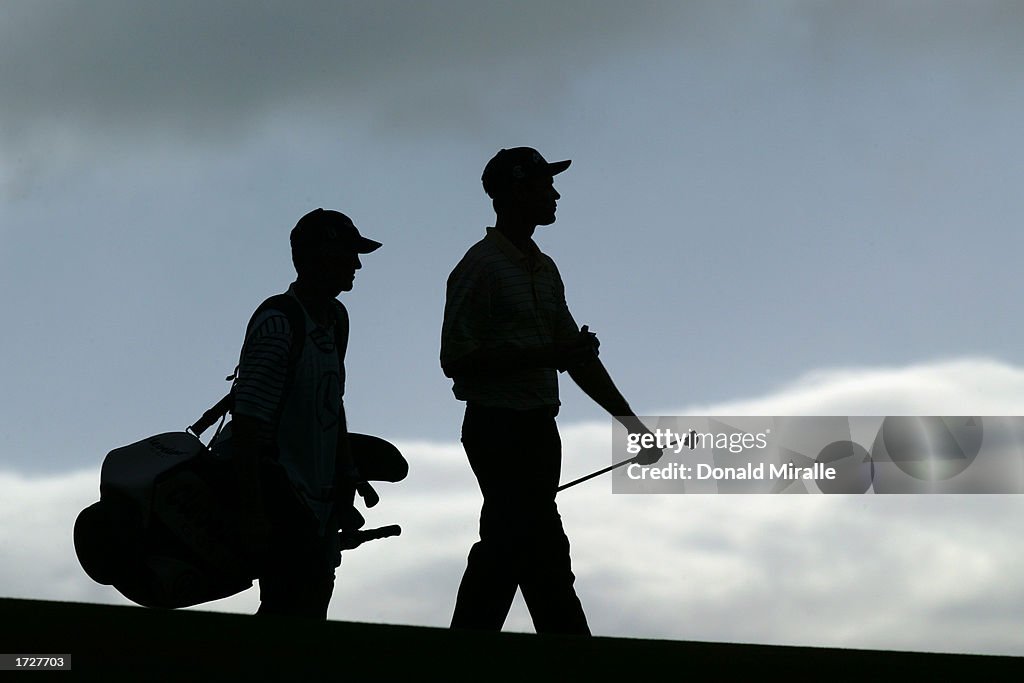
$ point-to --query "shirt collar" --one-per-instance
(514, 253)
(309, 319)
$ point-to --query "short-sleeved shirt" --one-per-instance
(311, 418)
(501, 298)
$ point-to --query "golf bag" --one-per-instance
(166, 533)
(163, 532)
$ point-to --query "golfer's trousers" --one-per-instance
(516, 457)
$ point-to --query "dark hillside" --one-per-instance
(132, 643)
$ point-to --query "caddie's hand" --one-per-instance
(367, 493)
(349, 519)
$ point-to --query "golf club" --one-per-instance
(611, 467)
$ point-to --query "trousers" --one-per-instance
(298, 577)
(516, 457)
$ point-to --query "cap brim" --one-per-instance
(559, 166)
(365, 246)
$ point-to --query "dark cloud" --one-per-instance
(209, 69)
(80, 73)
(927, 28)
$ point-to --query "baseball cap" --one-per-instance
(510, 166)
(321, 227)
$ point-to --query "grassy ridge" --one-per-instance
(132, 643)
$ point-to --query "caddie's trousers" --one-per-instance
(298, 577)
(516, 457)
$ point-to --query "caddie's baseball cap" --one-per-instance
(321, 227)
(511, 166)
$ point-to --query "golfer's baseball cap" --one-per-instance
(511, 166)
(321, 227)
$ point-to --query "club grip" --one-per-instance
(354, 539)
(382, 532)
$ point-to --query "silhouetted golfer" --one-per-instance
(291, 450)
(506, 332)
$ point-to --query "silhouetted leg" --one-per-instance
(545, 575)
(296, 594)
(298, 579)
(489, 583)
(516, 456)
(547, 585)
(486, 592)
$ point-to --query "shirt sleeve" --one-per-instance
(565, 327)
(465, 313)
(263, 368)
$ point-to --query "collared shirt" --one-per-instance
(499, 297)
(309, 421)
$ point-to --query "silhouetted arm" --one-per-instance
(259, 391)
(594, 380)
(347, 474)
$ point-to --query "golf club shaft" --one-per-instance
(594, 474)
(606, 469)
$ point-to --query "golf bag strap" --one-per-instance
(215, 413)
(296, 321)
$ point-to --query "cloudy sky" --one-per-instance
(774, 208)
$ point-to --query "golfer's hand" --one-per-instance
(649, 456)
(590, 339)
(578, 351)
